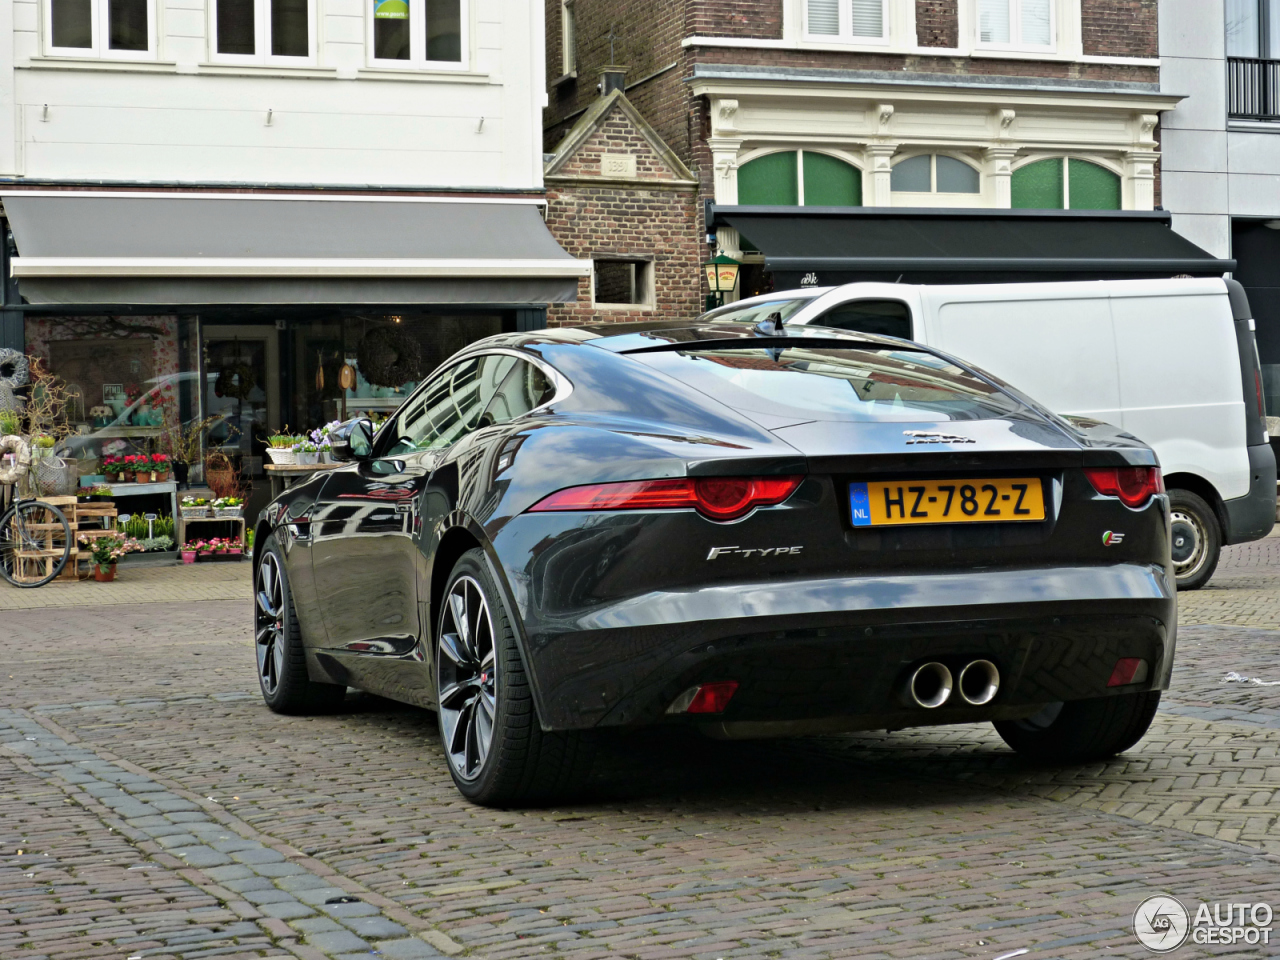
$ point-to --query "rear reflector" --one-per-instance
(1128, 670)
(718, 498)
(705, 698)
(1135, 486)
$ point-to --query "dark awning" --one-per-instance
(165, 248)
(832, 245)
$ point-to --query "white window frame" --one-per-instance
(933, 156)
(418, 40)
(845, 36)
(99, 28)
(1015, 43)
(568, 39)
(262, 39)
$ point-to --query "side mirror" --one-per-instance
(352, 441)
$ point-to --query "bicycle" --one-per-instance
(35, 537)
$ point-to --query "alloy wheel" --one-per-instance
(269, 623)
(467, 671)
(1190, 541)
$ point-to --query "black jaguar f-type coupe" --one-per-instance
(763, 531)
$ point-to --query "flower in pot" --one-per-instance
(95, 494)
(188, 553)
(42, 445)
(106, 552)
(138, 466)
(194, 507)
(160, 466)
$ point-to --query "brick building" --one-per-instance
(892, 106)
(618, 195)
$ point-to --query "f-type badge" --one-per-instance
(717, 552)
(924, 436)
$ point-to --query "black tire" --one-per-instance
(1197, 539)
(33, 527)
(522, 764)
(1082, 730)
(282, 664)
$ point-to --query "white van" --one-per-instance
(1172, 362)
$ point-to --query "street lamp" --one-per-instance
(722, 277)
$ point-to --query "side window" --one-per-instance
(889, 317)
(449, 407)
(524, 388)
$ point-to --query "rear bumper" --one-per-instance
(805, 649)
(1252, 516)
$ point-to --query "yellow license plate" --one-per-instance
(896, 502)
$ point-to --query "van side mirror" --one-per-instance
(353, 440)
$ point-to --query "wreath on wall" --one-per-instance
(389, 357)
(15, 370)
(235, 381)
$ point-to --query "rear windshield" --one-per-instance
(836, 384)
(753, 313)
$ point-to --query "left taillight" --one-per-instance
(717, 498)
(1135, 486)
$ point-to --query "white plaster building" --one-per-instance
(1220, 168)
(244, 198)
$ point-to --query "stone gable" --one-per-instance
(613, 142)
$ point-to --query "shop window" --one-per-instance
(623, 283)
(1015, 23)
(852, 20)
(1065, 184)
(417, 33)
(799, 178)
(273, 31)
(934, 173)
(122, 29)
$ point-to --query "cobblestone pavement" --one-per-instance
(151, 807)
(138, 583)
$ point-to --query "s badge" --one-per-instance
(1112, 539)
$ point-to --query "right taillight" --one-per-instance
(1135, 486)
(717, 498)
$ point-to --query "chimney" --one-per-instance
(612, 78)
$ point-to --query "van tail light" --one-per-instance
(1262, 404)
(717, 498)
(1135, 486)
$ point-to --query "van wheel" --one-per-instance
(1082, 730)
(1197, 539)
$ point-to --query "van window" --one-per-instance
(889, 317)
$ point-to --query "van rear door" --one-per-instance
(1058, 351)
(1180, 378)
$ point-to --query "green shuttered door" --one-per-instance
(769, 180)
(829, 182)
(1038, 186)
(1093, 187)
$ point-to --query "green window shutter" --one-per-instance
(1038, 186)
(829, 182)
(769, 181)
(1093, 187)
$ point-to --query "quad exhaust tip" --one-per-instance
(979, 682)
(930, 686)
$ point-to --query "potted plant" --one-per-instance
(112, 468)
(98, 493)
(234, 549)
(10, 423)
(188, 553)
(219, 545)
(160, 467)
(280, 448)
(137, 468)
(228, 508)
(204, 548)
(306, 452)
(106, 551)
(41, 446)
(194, 508)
